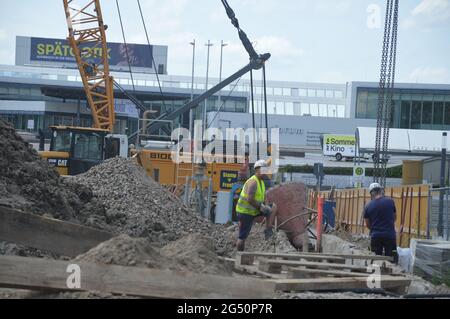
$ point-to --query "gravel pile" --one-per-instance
(138, 206)
(192, 253)
(29, 184)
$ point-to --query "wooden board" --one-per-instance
(51, 275)
(253, 270)
(330, 284)
(318, 256)
(248, 258)
(275, 266)
(51, 235)
(297, 273)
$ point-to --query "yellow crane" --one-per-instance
(74, 150)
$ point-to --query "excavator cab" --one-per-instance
(74, 150)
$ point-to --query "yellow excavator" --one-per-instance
(74, 150)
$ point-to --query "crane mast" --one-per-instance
(87, 37)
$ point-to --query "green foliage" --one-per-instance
(393, 172)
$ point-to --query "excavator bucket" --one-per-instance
(292, 213)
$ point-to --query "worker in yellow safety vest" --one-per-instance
(252, 205)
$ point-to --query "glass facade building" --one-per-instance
(413, 108)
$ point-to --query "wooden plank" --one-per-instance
(253, 270)
(345, 284)
(318, 256)
(51, 235)
(270, 265)
(297, 273)
(51, 275)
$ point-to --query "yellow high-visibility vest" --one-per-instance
(243, 206)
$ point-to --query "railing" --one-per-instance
(411, 202)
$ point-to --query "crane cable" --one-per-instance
(126, 45)
(151, 53)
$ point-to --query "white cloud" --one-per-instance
(279, 47)
(429, 14)
(164, 15)
(333, 7)
(430, 75)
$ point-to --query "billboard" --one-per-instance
(59, 51)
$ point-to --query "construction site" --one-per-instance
(88, 212)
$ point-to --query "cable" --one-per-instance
(153, 59)
(126, 45)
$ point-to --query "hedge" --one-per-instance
(392, 172)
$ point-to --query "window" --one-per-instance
(311, 93)
(438, 113)
(332, 109)
(240, 106)
(330, 93)
(314, 109)
(415, 114)
(286, 92)
(427, 111)
(289, 108)
(61, 141)
(320, 93)
(297, 108)
(305, 109)
(447, 113)
(341, 110)
(361, 104)
(405, 114)
(323, 112)
(88, 146)
(338, 94)
(161, 69)
(372, 106)
(277, 91)
(294, 92)
(303, 92)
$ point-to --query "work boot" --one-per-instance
(268, 233)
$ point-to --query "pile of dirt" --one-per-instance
(138, 206)
(29, 184)
(192, 253)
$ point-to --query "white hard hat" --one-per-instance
(374, 186)
(260, 163)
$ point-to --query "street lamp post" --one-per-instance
(208, 45)
(222, 45)
(191, 112)
(442, 185)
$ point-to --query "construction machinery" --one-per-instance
(74, 150)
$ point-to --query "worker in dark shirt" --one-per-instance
(380, 216)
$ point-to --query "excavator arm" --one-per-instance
(88, 41)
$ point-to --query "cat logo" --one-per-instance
(57, 162)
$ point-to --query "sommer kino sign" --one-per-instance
(59, 51)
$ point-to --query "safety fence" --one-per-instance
(412, 205)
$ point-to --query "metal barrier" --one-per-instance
(439, 211)
(412, 204)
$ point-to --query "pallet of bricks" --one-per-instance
(301, 272)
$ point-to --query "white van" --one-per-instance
(339, 146)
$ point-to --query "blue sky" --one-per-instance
(310, 40)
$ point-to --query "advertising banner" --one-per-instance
(59, 51)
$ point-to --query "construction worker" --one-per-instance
(251, 205)
(380, 216)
